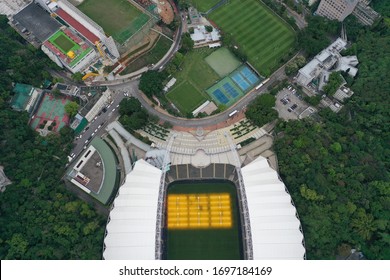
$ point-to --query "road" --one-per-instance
(132, 88)
(102, 120)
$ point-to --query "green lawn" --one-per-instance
(186, 97)
(206, 243)
(204, 5)
(118, 18)
(198, 76)
(262, 35)
(152, 57)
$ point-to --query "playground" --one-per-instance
(118, 18)
(51, 109)
(263, 36)
(203, 221)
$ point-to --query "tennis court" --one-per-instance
(51, 109)
(245, 78)
(225, 92)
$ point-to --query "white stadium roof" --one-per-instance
(131, 231)
(274, 226)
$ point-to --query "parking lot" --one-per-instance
(289, 104)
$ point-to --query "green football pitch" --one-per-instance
(262, 35)
(118, 18)
(203, 244)
(63, 42)
(194, 78)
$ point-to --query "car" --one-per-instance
(99, 126)
(117, 106)
(86, 141)
(86, 128)
(289, 109)
(81, 136)
(93, 134)
(113, 110)
(96, 130)
(72, 155)
(104, 110)
(108, 106)
(293, 107)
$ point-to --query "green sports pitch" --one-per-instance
(206, 243)
(264, 37)
(63, 42)
(118, 18)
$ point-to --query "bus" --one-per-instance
(262, 83)
(233, 113)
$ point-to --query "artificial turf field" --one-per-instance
(195, 77)
(186, 97)
(118, 18)
(223, 62)
(63, 42)
(210, 243)
(262, 35)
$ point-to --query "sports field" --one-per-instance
(204, 5)
(262, 35)
(186, 97)
(51, 109)
(203, 221)
(222, 61)
(195, 77)
(118, 18)
(63, 42)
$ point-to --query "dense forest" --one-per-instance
(39, 218)
(337, 166)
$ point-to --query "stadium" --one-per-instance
(202, 203)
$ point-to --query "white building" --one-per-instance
(327, 61)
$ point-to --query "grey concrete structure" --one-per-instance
(336, 9)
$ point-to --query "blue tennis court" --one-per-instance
(220, 96)
(249, 75)
(230, 90)
(239, 80)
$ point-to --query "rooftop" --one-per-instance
(37, 21)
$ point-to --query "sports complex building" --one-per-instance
(70, 38)
(179, 203)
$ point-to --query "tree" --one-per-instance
(129, 106)
(335, 81)
(56, 92)
(186, 43)
(151, 82)
(72, 108)
(78, 77)
(209, 28)
(261, 111)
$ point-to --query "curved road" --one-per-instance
(132, 88)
